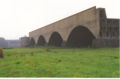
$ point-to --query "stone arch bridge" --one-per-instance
(90, 27)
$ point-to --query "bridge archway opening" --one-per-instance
(55, 39)
(80, 37)
(41, 41)
(32, 42)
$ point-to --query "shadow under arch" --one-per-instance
(55, 39)
(41, 41)
(32, 42)
(80, 37)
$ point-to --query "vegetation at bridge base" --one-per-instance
(1, 53)
(59, 62)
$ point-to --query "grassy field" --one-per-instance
(60, 62)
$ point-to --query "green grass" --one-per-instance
(60, 62)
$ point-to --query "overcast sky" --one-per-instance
(19, 17)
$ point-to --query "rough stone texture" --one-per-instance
(104, 31)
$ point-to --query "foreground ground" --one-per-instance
(59, 62)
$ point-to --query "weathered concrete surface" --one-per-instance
(96, 29)
(88, 18)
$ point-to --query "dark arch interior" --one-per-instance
(80, 37)
(55, 39)
(41, 41)
(32, 42)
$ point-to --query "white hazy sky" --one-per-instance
(19, 17)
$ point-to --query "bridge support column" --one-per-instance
(46, 44)
(63, 44)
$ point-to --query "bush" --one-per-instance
(1, 53)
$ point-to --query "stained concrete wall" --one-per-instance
(105, 31)
(113, 28)
(88, 18)
(109, 31)
(109, 28)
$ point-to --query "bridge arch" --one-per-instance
(55, 39)
(41, 41)
(80, 36)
